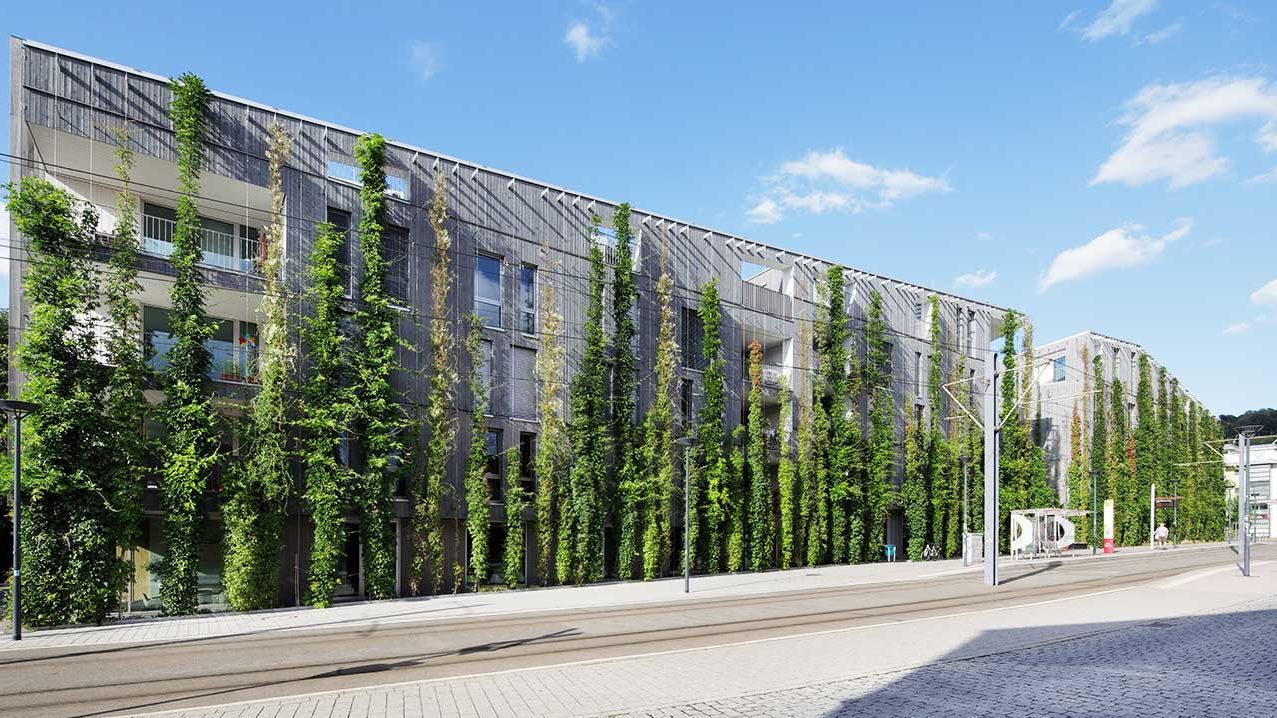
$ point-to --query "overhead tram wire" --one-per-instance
(692, 297)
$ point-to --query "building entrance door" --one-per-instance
(349, 568)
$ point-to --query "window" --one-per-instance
(250, 250)
(685, 399)
(341, 220)
(346, 172)
(693, 340)
(487, 290)
(970, 330)
(887, 351)
(394, 252)
(917, 311)
(493, 469)
(917, 415)
(219, 244)
(528, 299)
(233, 346)
(527, 460)
(917, 372)
(1058, 368)
(523, 383)
(489, 379)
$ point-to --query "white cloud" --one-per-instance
(984, 236)
(1269, 177)
(1266, 294)
(1117, 18)
(978, 278)
(1267, 137)
(824, 181)
(1168, 127)
(1161, 36)
(1120, 248)
(424, 59)
(1068, 20)
(588, 40)
(765, 212)
(1237, 328)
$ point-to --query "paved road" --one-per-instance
(106, 680)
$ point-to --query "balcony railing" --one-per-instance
(773, 374)
(218, 248)
(235, 363)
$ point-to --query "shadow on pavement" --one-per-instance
(1208, 665)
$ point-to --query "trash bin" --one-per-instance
(891, 552)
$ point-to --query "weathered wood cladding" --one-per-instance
(1121, 361)
(520, 221)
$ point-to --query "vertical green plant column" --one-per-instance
(552, 443)
(913, 493)
(761, 525)
(941, 475)
(189, 415)
(711, 466)
(515, 501)
(816, 482)
(1119, 427)
(426, 574)
(70, 569)
(1079, 481)
(1188, 511)
(882, 451)
(1178, 460)
(1013, 475)
(478, 495)
(258, 488)
(378, 417)
(737, 506)
(125, 403)
(1148, 462)
(1099, 437)
(620, 500)
(580, 549)
(842, 442)
(324, 411)
(787, 480)
(658, 453)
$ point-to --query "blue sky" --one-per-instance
(1100, 165)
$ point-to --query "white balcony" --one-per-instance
(219, 248)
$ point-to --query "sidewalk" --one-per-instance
(490, 603)
(1095, 652)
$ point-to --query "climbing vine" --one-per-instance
(324, 412)
(658, 452)
(478, 494)
(552, 448)
(427, 488)
(787, 480)
(190, 419)
(259, 486)
(760, 485)
(515, 501)
(625, 369)
(710, 468)
(580, 543)
(881, 451)
(125, 403)
(70, 567)
(378, 420)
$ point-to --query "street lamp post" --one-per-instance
(687, 442)
(966, 509)
(17, 409)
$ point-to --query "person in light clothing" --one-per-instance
(1160, 534)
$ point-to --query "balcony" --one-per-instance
(773, 375)
(219, 248)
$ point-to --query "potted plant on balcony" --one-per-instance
(229, 370)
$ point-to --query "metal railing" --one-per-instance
(234, 363)
(218, 248)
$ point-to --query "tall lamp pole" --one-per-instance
(687, 442)
(17, 409)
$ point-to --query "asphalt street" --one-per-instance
(143, 677)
